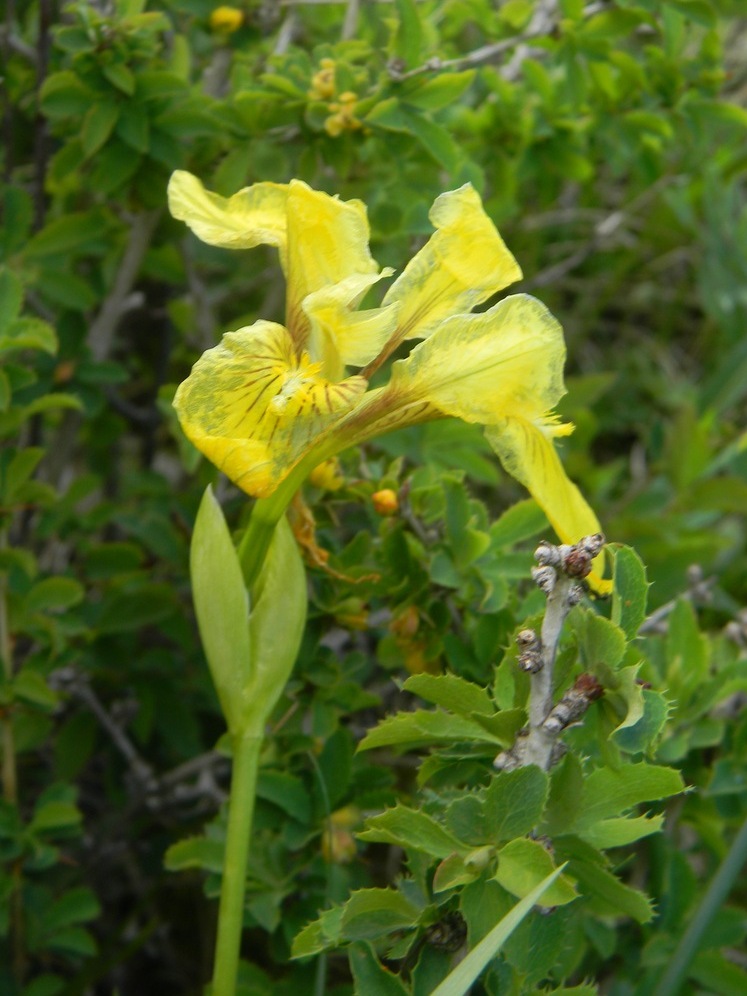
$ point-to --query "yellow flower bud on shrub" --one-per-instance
(327, 476)
(385, 502)
(323, 82)
(226, 20)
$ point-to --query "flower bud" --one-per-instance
(385, 502)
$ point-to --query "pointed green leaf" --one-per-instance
(371, 913)
(451, 692)
(459, 981)
(319, 935)
(609, 792)
(422, 728)
(410, 828)
(630, 592)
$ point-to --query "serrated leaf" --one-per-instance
(609, 792)
(452, 692)
(410, 828)
(511, 806)
(600, 641)
(370, 976)
(372, 913)
(620, 831)
(630, 591)
(319, 935)
(642, 736)
(611, 896)
(523, 864)
(422, 728)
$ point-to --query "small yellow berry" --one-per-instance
(385, 502)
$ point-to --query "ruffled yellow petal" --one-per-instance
(339, 336)
(253, 216)
(527, 452)
(462, 264)
(254, 407)
(482, 367)
(327, 243)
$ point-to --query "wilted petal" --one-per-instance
(327, 243)
(340, 336)
(254, 407)
(464, 262)
(527, 452)
(254, 216)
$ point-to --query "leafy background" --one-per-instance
(608, 142)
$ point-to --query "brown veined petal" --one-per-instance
(527, 452)
(327, 243)
(463, 263)
(254, 216)
(254, 407)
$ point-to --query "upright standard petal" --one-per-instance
(527, 452)
(254, 216)
(327, 243)
(254, 407)
(339, 336)
(464, 262)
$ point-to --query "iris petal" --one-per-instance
(254, 407)
(527, 453)
(463, 263)
(254, 216)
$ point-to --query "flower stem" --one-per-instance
(231, 913)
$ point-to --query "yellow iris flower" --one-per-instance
(271, 401)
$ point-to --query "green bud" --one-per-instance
(250, 643)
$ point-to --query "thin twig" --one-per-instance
(103, 328)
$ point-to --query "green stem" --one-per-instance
(671, 982)
(231, 913)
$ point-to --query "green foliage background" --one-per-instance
(608, 142)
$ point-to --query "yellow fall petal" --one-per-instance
(464, 262)
(482, 367)
(254, 216)
(327, 243)
(254, 407)
(341, 336)
(527, 452)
